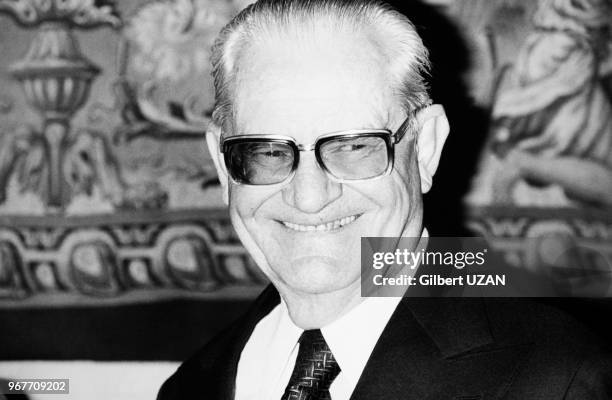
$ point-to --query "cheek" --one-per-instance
(403, 194)
(245, 201)
(398, 193)
(406, 175)
(400, 205)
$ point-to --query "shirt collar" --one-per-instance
(353, 336)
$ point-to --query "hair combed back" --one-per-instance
(406, 56)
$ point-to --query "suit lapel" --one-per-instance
(455, 325)
(438, 349)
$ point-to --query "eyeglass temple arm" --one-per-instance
(409, 122)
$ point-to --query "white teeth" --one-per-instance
(321, 227)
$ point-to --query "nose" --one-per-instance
(311, 189)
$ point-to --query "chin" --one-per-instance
(318, 274)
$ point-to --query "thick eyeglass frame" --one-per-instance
(390, 138)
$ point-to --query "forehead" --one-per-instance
(312, 87)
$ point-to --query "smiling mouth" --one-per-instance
(326, 227)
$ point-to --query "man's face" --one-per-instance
(307, 232)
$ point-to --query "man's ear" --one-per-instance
(213, 137)
(430, 140)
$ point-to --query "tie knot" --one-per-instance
(315, 368)
(312, 336)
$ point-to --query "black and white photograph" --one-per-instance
(306, 199)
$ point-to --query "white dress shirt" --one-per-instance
(267, 360)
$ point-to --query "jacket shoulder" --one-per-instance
(540, 323)
(210, 372)
(565, 358)
(191, 376)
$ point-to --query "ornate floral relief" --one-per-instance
(569, 248)
(105, 166)
(62, 183)
(543, 190)
(168, 48)
(56, 78)
(81, 13)
(110, 257)
(550, 142)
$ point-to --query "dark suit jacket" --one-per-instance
(438, 349)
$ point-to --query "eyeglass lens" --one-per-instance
(260, 163)
(355, 157)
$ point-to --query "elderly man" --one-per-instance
(324, 133)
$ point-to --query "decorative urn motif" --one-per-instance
(55, 75)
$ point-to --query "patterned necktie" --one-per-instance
(315, 369)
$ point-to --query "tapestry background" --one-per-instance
(115, 247)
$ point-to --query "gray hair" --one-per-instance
(406, 56)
